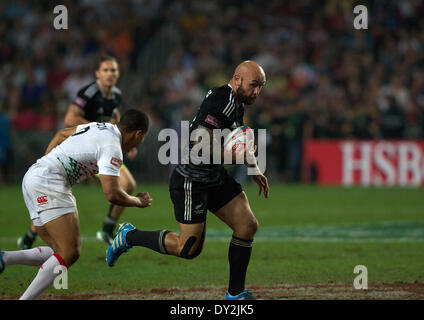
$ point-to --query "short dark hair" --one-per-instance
(105, 57)
(134, 119)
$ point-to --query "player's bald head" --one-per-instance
(250, 69)
(248, 80)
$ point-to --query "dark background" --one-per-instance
(325, 80)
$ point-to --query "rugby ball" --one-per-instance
(239, 140)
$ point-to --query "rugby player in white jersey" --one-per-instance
(73, 155)
(97, 101)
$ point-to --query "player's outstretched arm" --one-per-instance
(74, 116)
(59, 137)
(116, 195)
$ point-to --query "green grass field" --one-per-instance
(309, 238)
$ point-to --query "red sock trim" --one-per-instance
(59, 258)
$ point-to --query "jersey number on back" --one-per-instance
(81, 131)
(101, 125)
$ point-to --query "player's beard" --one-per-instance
(242, 96)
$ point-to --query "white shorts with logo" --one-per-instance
(47, 195)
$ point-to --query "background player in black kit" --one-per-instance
(98, 101)
(195, 189)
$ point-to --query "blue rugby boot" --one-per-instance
(245, 295)
(119, 244)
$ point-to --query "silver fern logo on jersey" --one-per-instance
(204, 147)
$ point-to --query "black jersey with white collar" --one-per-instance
(95, 104)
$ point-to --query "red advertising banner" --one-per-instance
(364, 163)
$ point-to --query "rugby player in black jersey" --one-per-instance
(98, 101)
(194, 189)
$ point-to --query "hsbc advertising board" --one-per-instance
(364, 163)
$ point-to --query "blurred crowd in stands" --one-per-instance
(325, 80)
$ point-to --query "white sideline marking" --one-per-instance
(396, 231)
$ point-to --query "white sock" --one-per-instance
(30, 257)
(44, 279)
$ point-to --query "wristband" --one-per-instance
(253, 170)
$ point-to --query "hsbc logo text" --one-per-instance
(377, 163)
(364, 162)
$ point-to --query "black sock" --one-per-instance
(239, 257)
(30, 237)
(154, 240)
(109, 224)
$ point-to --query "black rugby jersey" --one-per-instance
(96, 106)
(218, 110)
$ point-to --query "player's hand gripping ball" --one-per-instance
(239, 140)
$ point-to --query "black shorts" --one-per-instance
(192, 199)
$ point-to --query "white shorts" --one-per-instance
(47, 195)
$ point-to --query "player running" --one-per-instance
(73, 155)
(194, 189)
(98, 101)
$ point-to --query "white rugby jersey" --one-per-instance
(94, 148)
